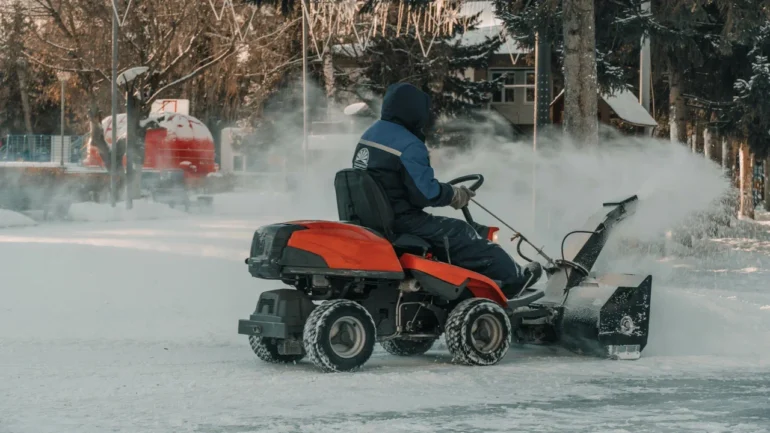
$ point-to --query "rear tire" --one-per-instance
(339, 335)
(478, 332)
(401, 347)
(267, 351)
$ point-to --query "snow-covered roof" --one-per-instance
(626, 106)
(477, 36)
(487, 9)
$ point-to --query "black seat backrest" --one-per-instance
(361, 200)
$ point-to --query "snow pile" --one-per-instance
(142, 210)
(10, 218)
(182, 126)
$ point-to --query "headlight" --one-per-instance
(494, 237)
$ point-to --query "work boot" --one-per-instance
(531, 275)
(533, 271)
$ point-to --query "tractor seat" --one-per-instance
(409, 242)
(362, 201)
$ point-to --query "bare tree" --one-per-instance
(177, 40)
(12, 40)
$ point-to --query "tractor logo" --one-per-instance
(362, 159)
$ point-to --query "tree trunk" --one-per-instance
(581, 90)
(708, 144)
(767, 183)
(97, 135)
(725, 156)
(21, 72)
(691, 142)
(328, 70)
(677, 109)
(747, 176)
(697, 130)
(134, 145)
(735, 163)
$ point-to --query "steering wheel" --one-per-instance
(479, 180)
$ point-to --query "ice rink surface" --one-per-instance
(131, 326)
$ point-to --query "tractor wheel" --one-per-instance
(267, 351)
(401, 347)
(339, 335)
(478, 332)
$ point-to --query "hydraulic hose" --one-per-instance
(517, 234)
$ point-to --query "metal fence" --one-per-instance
(40, 148)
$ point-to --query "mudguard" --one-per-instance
(454, 278)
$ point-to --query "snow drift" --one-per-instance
(9, 218)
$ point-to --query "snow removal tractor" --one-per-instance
(355, 283)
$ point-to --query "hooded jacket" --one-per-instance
(393, 150)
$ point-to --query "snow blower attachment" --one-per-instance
(606, 315)
(377, 286)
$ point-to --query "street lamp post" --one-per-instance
(644, 71)
(127, 80)
(114, 89)
(305, 31)
(63, 77)
(542, 113)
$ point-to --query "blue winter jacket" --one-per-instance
(393, 150)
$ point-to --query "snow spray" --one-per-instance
(546, 194)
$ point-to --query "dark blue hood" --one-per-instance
(408, 106)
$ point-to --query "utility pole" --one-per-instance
(130, 133)
(542, 107)
(113, 156)
(644, 71)
(63, 82)
(542, 86)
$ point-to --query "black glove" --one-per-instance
(462, 195)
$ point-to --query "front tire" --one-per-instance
(267, 351)
(478, 332)
(339, 335)
(401, 347)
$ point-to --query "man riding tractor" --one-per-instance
(394, 153)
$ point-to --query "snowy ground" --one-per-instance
(88, 344)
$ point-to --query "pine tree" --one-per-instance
(438, 71)
(751, 110)
(619, 28)
(750, 114)
(14, 63)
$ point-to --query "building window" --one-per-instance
(506, 94)
(530, 95)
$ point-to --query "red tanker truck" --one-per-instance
(179, 142)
